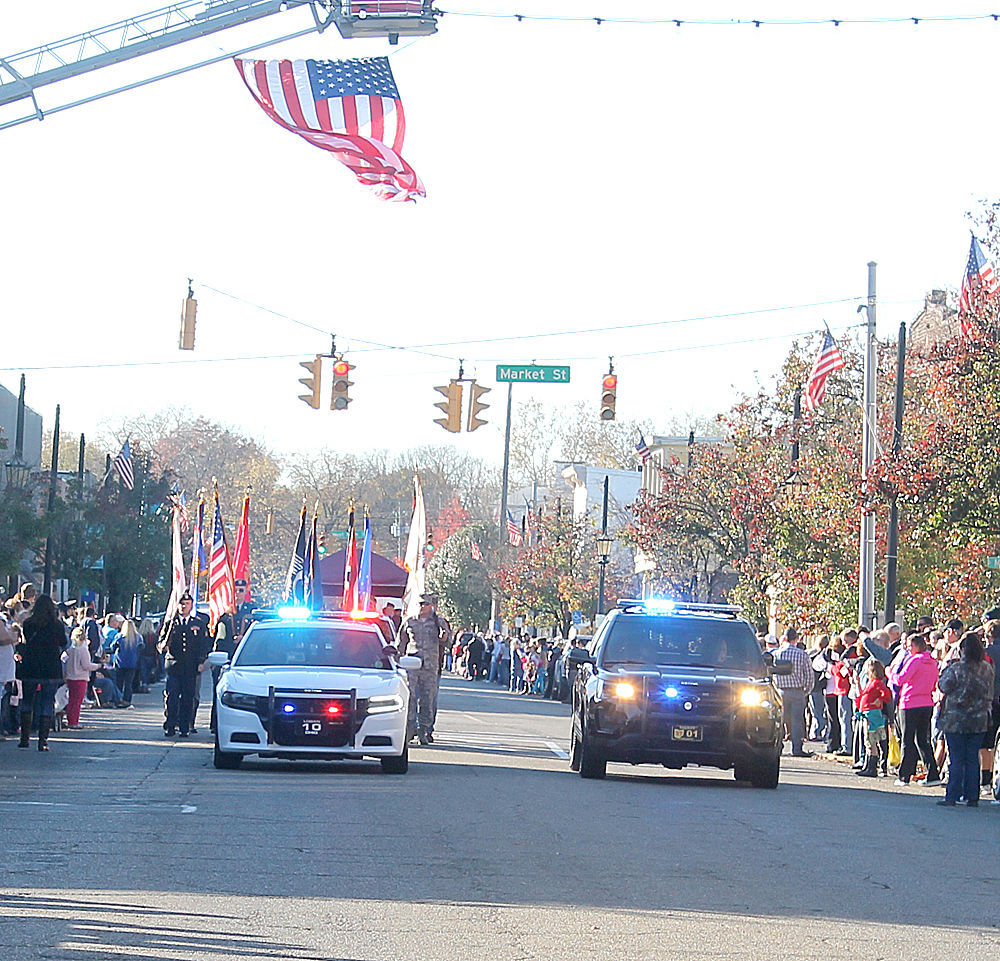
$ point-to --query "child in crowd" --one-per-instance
(77, 666)
(873, 696)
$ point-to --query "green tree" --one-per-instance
(463, 584)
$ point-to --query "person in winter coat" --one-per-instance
(914, 678)
(967, 686)
(125, 649)
(77, 666)
(39, 669)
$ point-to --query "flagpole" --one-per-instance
(866, 566)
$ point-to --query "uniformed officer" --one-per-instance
(186, 646)
(244, 609)
(423, 635)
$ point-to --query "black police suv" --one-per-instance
(674, 684)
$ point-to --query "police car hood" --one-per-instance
(258, 680)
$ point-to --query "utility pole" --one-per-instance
(603, 557)
(53, 480)
(892, 546)
(866, 579)
(506, 467)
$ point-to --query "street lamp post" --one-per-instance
(603, 553)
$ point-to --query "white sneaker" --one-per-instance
(899, 783)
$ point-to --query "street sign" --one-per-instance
(993, 563)
(531, 374)
(577, 618)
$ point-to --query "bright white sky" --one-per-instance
(577, 177)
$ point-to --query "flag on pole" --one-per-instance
(513, 531)
(197, 551)
(177, 562)
(529, 526)
(221, 592)
(123, 464)
(477, 554)
(350, 108)
(365, 600)
(241, 553)
(642, 449)
(295, 579)
(349, 602)
(979, 282)
(309, 592)
(413, 561)
(827, 361)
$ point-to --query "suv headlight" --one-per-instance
(384, 704)
(621, 690)
(243, 702)
(755, 697)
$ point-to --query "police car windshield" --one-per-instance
(681, 641)
(310, 646)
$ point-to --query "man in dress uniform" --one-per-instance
(186, 646)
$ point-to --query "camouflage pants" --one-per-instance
(423, 700)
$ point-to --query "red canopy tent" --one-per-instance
(388, 580)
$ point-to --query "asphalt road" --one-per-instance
(119, 843)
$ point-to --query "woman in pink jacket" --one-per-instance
(914, 679)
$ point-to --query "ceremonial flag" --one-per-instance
(241, 553)
(295, 579)
(350, 108)
(221, 593)
(513, 531)
(477, 554)
(123, 464)
(177, 561)
(642, 449)
(980, 281)
(529, 526)
(179, 500)
(413, 562)
(197, 551)
(365, 600)
(309, 597)
(349, 602)
(827, 361)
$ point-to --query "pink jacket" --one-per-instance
(917, 680)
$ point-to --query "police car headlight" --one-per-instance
(755, 697)
(244, 702)
(384, 704)
(620, 690)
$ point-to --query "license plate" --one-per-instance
(312, 727)
(686, 732)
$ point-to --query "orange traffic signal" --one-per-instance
(609, 390)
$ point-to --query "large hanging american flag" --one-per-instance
(123, 464)
(980, 281)
(827, 361)
(350, 108)
(221, 590)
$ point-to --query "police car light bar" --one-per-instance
(665, 605)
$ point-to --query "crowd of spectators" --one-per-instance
(913, 705)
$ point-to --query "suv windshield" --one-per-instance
(653, 641)
(311, 646)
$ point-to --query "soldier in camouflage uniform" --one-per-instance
(422, 638)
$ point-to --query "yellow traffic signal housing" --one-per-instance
(609, 391)
(476, 406)
(451, 406)
(312, 383)
(340, 395)
(189, 313)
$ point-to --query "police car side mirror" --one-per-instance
(218, 659)
(410, 663)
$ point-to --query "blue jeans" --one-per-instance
(37, 696)
(845, 707)
(124, 678)
(963, 765)
(817, 701)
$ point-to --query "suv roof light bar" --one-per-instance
(666, 606)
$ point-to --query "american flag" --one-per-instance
(513, 531)
(123, 464)
(980, 279)
(221, 591)
(477, 554)
(828, 360)
(350, 108)
(642, 449)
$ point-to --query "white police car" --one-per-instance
(313, 685)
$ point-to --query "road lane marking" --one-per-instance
(557, 751)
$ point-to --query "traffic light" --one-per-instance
(451, 406)
(321, 546)
(189, 312)
(609, 388)
(340, 396)
(311, 383)
(476, 406)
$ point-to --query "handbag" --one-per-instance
(895, 754)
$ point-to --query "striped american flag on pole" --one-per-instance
(123, 464)
(221, 589)
(642, 449)
(980, 281)
(827, 361)
(513, 531)
(350, 108)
